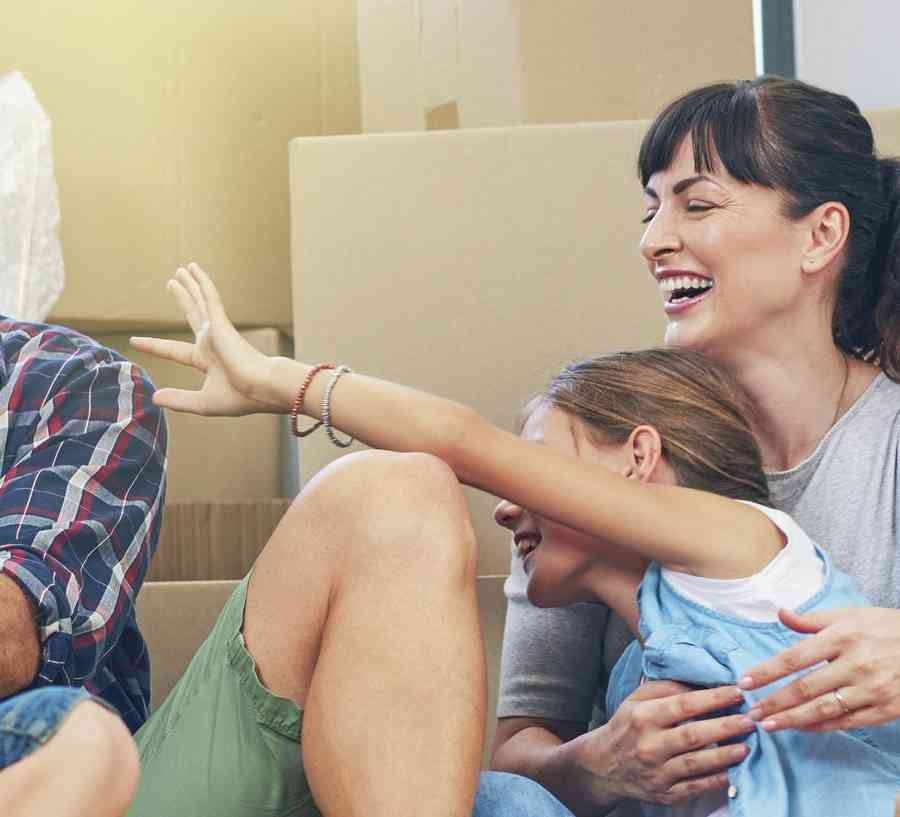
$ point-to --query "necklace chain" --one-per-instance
(840, 401)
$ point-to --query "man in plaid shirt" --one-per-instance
(81, 495)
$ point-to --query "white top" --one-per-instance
(794, 576)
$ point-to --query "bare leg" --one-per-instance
(89, 768)
(362, 608)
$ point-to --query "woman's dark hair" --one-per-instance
(700, 411)
(812, 146)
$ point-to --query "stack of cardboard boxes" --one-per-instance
(171, 126)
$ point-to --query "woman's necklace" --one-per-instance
(840, 402)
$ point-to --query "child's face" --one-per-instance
(558, 560)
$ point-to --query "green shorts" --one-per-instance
(223, 745)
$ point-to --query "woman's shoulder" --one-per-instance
(872, 421)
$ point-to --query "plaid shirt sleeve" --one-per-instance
(81, 491)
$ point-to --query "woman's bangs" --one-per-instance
(723, 125)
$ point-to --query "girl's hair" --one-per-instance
(812, 146)
(701, 413)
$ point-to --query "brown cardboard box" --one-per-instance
(175, 618)
(470, 263)
(171, 126)
(216, 540)
(473, 263)
(512, 62)
(217, 457)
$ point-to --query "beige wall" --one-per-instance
(171, 126)
(511, 62)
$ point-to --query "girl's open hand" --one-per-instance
(862, 649)
(233, 369)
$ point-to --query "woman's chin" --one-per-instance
(687, 334)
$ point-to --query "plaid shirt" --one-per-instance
(81, 496)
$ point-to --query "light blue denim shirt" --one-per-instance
(785, 774)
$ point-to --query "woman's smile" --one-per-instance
(682, 289)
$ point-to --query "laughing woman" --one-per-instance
(772, 226)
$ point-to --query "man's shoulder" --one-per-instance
(48, 341)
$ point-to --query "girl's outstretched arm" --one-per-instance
(679, 527)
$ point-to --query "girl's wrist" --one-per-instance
(277, 383)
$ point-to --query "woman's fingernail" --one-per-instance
(746, 682)
(769, 725)
(755, 714)
(748, 723)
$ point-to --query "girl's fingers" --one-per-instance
(180, 400)
(187, 281)
(214, 307)
(188, 305)
(175, 350)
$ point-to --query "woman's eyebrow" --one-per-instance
(680, 187)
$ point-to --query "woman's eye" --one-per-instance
(648, 217)
(698, 207)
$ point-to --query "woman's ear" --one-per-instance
(828, 227)
(644, 452)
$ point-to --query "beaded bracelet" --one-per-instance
(326, 408)
(297, 407)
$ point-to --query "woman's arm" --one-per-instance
(859, 649)
(678, 527)
(645, 752)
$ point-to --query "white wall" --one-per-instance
(851, 48)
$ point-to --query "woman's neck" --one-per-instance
(799, 393)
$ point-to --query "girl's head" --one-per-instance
(657, 415)
(790, 193)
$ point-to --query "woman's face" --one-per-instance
(727, 261)
(557, 559)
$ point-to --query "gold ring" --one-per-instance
(841, 701)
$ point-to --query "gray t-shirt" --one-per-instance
(844, 495)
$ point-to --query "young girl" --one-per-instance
(637, 470)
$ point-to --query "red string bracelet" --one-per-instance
(298, 400)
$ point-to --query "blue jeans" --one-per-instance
(509, 795)
(30, 719)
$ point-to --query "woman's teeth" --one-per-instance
(683, 287)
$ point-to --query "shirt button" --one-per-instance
(732, 792)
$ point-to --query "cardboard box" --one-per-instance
(513, 62)
(171, 126)
(474, 263)
(471, 264)
(219, 457)
(213, 540)
(176, 617)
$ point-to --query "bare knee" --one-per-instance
(409, 505)
(101, 738)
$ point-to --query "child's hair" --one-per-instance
(700, 411)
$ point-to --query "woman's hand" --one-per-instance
(233, 369)
(859, 685)
(653, 750)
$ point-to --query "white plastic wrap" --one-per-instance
(31, 262)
